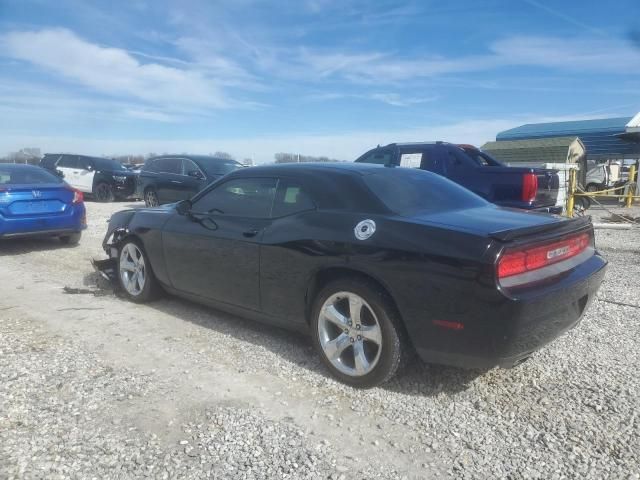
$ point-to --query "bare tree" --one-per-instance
(225, 155)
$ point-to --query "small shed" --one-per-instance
(536, 152)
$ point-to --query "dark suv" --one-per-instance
(171, 178)
(103, 178)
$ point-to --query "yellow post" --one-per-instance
(632, 186)
(571, 191)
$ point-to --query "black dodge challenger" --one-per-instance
(375, 262)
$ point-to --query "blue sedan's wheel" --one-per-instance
(135, 274)
(357, 332)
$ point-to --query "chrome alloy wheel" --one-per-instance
(132, 269)
(350, 334)
(151, 198)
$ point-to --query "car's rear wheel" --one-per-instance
(358, 333)
(592, 187)
(151, 198)
(135, 274)
(72, 239)
(104, 192)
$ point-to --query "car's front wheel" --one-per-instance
(135, 274)
(151, 198)
(103, 192)
(358, 333)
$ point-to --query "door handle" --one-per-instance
(176, 181)
(251, 233)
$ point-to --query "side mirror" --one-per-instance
(196, 174)
(59, 173)
(183, 207)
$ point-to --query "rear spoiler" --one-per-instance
(569, 225)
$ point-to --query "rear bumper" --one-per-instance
(505, 333)
(72, 221)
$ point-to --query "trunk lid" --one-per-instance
(489, 220)
(34, 200)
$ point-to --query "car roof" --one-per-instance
(345, 168)
(197, 158)
(19, 166)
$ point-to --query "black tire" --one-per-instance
(72, 239)
(151, 198)
(103, 192)
(394, 347)
(592, 187)
(151, 288)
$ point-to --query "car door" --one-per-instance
(214, 251)
(285, 263)
(84, 174)
(169, 178)
(68, 165)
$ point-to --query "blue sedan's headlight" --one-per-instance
(119, 178)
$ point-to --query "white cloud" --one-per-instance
(151, 115)
(112, 71)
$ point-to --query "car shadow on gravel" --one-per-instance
(17, 246)
(416, 379)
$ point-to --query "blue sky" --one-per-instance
(317, 77)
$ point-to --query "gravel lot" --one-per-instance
(94, 387)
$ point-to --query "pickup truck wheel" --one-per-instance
(592, 187)
(135, 274)
(104, 192)
(357, 333)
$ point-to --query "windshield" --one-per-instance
(408, 191)
(220, 167)
(26, 176)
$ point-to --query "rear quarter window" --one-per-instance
(27, 176)
(408, 192)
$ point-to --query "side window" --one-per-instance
(68, 161)
(168, 165)
(86, 163)
(457, 160)
(188, 167)
(380, 157)
(242, 197)
(291, 197)
(431, 161)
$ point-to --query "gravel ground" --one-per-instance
(92, 386)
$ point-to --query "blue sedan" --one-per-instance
(34, 202)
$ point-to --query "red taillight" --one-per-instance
(527, 259)
(529, 187)
(78, 196)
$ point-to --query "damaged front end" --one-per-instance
(116, 232)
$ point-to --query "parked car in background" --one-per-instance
(374, 262)
(36, 202)
(517, 187)
(102, 178)
(171, 178)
